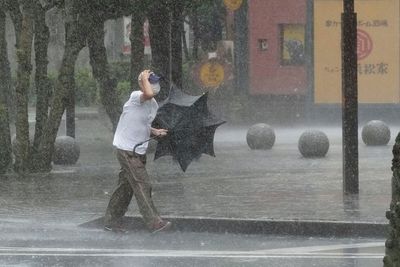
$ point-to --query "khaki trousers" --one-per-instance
(133, 180)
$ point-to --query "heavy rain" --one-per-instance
(200, 133)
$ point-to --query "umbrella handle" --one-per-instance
(141, 143)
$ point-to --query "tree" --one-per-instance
(159, 20)
(24, 47)
(42, 83)
(84, 25)
(100, 67)
(137, 44)
(75, 33)
(139, 14)
(5, 88)
(28, 17)
(166, 19)
(177, 8)
(392, 251)
(205, 18)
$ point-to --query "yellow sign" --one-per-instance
(212, 74)
(233, 4)
(378, 35)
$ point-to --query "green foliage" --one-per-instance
(120, 70)
(123, 91)
(86, 88)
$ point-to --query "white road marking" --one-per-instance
(373, 256)
(324, 248)
(313, 252)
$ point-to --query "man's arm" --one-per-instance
(147, 91)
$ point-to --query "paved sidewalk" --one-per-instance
(272, 185)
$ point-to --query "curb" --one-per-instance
(267, 227)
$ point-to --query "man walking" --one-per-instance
(133, 128)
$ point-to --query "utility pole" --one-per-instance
(309, 52)
(349, 99)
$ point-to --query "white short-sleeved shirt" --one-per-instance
(134, 124)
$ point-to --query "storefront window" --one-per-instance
(292, 44)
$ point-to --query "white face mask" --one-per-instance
(155, 86)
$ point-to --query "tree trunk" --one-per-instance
(74, 42)
(176, 43)
(41, 80)
(185, 44)
(12, 7)
(196, 35)
(99, 63)
(137, 47)
(159, 21)
(24, 47)
(5, 78)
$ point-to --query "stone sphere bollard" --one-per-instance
(375, 133)
(66, 151)
(313, 144)
(260, 136)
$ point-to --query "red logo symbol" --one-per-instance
(364, 44)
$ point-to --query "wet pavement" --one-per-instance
(64, 244)
(40, 214)
(276, 184)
